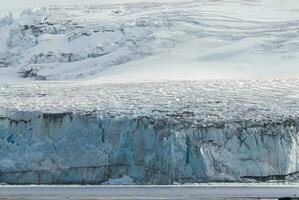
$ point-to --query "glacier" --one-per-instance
(152, 40)
(244, 137)
(65, 148)
(149, 92)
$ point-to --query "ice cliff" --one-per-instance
(151, 132)
(67, 148)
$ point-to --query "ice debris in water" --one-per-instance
(125, 180)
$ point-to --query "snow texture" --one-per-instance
(152, 40)
(207, 101)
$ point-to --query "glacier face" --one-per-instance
(152, 133)
(73, 148)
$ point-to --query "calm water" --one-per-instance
(147, 192)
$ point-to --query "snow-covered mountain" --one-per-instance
(152, 40)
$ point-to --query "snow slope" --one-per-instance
(133, 40)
